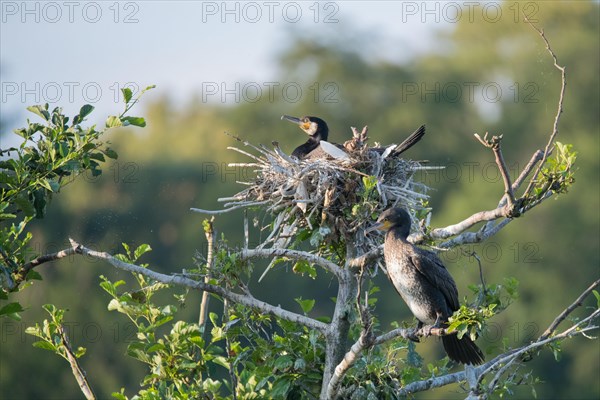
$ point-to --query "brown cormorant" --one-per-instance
(317, 131)
(422, 280)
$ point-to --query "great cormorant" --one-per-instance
(422, 280)
(317, 131)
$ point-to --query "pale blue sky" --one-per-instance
(70, 53)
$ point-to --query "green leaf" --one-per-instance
(213, 318)
(80, 352)
(142, 249)
(97, 156)
(127, 94)
(370, 182)
(283, 363)
(33, 275)
(280, 388)
(155, 347)
(222, 361)
(83, 112)
(597, 295)
(25, 205)
(34, 331)
(119, 396)
(46, 184)
(135, 121)
(54, 185)
(306, 305)
(41, 111)
(162, 321)
(86, 110)
(303, 267)
(11, 308)
(113, 122)
(110, 153)
(44, 345)
(39, 202)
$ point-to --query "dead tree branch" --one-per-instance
(293, 254)
(78, 372)
(494, 144)
(22, 273)
(246, 299)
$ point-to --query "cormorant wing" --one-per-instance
(431, 267)
(333, 150)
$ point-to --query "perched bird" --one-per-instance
(317, 146)
(422, 280)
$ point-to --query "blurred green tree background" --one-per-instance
(494, 77)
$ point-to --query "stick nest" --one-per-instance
(334, 198)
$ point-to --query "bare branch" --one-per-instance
(294, 254)
(364, 259)
(549, 145)
(569, 310)
(494, 144)
(364, 342)
(452, 230)
(226, 210)
(245, 299)
(537, 157)
(22, 273)
(486, 231)
(78, 372)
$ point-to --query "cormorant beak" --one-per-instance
(305, 126)
(295, 120)
(379, 226)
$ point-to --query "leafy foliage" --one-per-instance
(267, 356)
(51, 155)
(52, 335)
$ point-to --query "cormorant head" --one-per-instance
(394, 219)
(314, 127)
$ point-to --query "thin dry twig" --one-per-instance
(494, 144)
(550, 145)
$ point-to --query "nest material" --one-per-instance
(328, 193)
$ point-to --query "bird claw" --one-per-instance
(428, 329)
(412, 335)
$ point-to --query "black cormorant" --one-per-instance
(422, 280)
(317, 131)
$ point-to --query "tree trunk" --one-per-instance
(337, 335)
